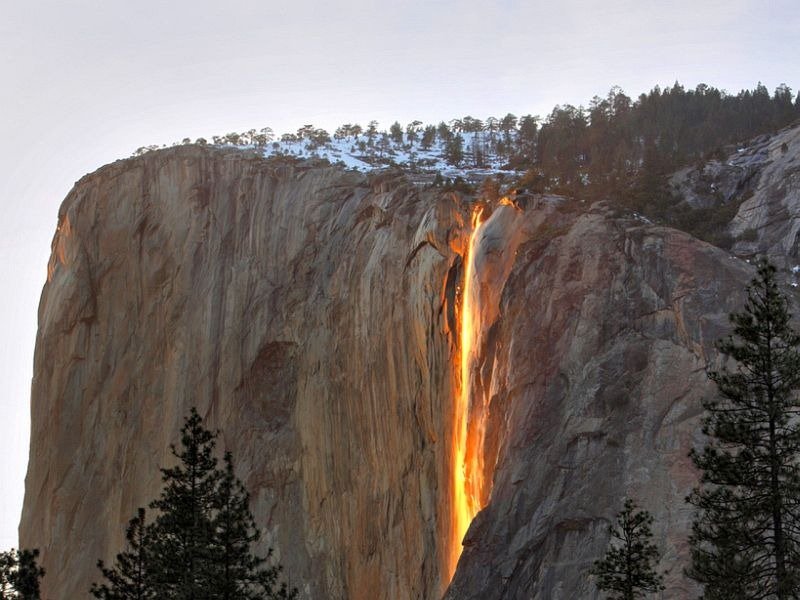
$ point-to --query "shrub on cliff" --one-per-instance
(199, 543)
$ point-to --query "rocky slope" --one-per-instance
(310, 313)
(762, 180)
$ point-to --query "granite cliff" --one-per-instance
(312, 314)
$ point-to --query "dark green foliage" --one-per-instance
(628, 569)
(708, 224)
(396, 133)
(129, 579)
(8, 563)
(508, 124)
(183, 531)
(428, 137)
(454, 150)
(623, 150)
(238, 573)
(457, 184)
(199, 545)
(20, 575)
(533, 181)
(746, 534)
(412, 131)
(443, 131)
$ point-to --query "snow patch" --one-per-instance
(365, 154)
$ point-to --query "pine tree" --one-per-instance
(8, 562)
(183, 530)
(129, 579)
(198, 547)
(454, 150)
(746, 535)
(627, 571)
(396, 133)
(240, 575)
(20, 575)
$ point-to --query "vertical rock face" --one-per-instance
(595, 370)
(310, 314)
(300, 309)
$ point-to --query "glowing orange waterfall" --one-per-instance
(467, 484)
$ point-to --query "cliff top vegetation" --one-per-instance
(617, 149)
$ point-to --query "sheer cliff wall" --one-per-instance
(301, 310)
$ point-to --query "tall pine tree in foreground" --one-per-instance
(182, 535)
(198, 546)
(627, 571)
(745, 539)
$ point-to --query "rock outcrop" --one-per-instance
(768, 220)
(761, 180)
(310, 314)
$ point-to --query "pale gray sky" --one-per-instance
(84, 82)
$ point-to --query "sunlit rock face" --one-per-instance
(313, 316)
(301, 310)
(594, 373)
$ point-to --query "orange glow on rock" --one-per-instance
(506, 201)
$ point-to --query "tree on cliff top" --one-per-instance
(20, 575)
(199, 544)
(746, 535)
(627, 571)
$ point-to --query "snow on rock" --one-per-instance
(363, 154)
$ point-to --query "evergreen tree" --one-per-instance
(412, 131)
(240, 575)
(454, 150)
(396, 133)
(8, 562)
(130, 578)
(183, 531)
(428, 137)
(20, 575)
(746, 535)
(627, 571)
(507, 125)
(199, 545)
(443, 131)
